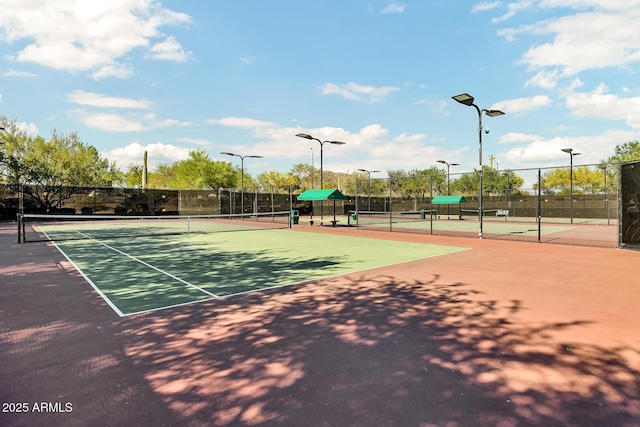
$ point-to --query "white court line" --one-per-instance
(93, 285)
(149, 265)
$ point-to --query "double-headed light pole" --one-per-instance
(466, 99)
(305, 136)
(448, 165)
(226, 153)
(448, 188)
(369, 174)
(571, 154)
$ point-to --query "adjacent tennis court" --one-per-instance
(137, 268)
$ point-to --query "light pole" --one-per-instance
(448, 165)
(603, 168)
(305, 136)
(369, 173)
(466, 99)
(571, 154)
(313, 170)
(226, 153)
(448, 189)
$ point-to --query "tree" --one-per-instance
(276, 180)
(626, 152)
(493, 183)
(198, 171)
(305, 176)
(585, 180)
(53, 167)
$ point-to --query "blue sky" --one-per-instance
(247, 76)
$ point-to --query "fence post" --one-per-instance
(390, 206)
(539, 208)
(430, 204)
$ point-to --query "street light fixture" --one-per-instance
(448, 165)
(226, 153)
(369, 173)
(448, 189)
(305, 136)
(467, 100)
(571, 154)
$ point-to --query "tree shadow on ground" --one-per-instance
(366, 350)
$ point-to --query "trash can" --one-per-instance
(295, 217)
(422, 214)
(354, 217)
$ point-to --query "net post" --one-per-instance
(290, 205)
(539, 209)
(390, 206)
(19, 220)
(357, 197)
(430, 204)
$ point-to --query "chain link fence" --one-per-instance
(578, 205)
(137, 201)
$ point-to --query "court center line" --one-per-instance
(148, 265)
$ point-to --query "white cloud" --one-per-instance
(120, 71)
(603, 34)
(393, 8)
(240, 122)
(485, 5)
(29, 128)
(512, 137)
(118, 123)
(544, 79)
(513, 9)
(521, 105)
(601, 104)
(356, 91)
(111, 122)
(593, 148)
(100, 100)
(195, 141)
(158, 153)
(170, 50)
(87, 35)
(16, 73)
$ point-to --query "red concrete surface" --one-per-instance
(504, 334)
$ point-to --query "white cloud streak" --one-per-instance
(100, 100)
(393, 8)
(522, 105)
(356, 92)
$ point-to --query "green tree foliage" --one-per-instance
(133, 176)
(493, 183)
(52, 167)
(305, 176)
(585, 180)
(198, 171)
(276, 180)
(626, 152)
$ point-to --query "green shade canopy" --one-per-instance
(447, 200)
(330, 194)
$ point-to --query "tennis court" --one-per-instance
(378, 329)
(589, 231)
(146, 264)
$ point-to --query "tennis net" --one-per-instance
(43, 227)
(382, 218)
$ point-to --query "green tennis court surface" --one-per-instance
(153, 272)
